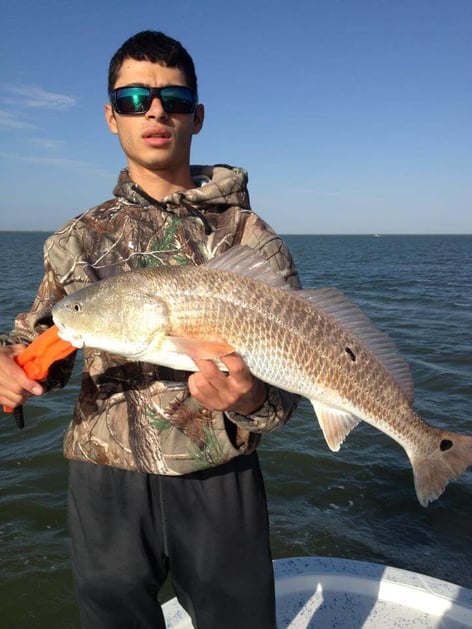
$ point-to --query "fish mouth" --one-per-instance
(67, 335)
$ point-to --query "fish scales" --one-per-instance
(247, 315)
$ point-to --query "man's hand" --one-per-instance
(237, 390)
(15, 386)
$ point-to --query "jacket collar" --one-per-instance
(217, 188)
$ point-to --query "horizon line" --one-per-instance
(282, 234)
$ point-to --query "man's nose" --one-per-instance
(156, 109)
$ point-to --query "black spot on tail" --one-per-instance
(446, 444)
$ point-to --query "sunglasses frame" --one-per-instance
(154, 92)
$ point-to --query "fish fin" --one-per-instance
(451, 456)
(178, 353)
(335, 423)
(245, 261)
(196, 348)
(345, 312)
(173, 360)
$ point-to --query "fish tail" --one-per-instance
(450, 457)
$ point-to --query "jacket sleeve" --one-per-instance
(279, 404)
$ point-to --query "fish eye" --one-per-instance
(76, 307)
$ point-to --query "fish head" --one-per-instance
(123, 318)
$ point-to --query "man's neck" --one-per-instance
(160, 184)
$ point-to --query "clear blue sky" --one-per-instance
(351, 116)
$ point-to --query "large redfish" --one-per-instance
(315, 343)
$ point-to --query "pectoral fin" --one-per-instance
(196, 348)
(335, 423)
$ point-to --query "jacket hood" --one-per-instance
(217, 188)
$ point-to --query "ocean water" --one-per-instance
(358, 503)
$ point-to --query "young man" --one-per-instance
(164, 477)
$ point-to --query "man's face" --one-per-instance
(155, 142)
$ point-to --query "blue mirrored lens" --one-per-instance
(178, 100)
(132, 100)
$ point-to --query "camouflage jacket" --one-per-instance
(139, 416)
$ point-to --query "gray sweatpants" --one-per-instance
(208, 530)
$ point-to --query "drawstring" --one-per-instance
(190, 209)
(197, 214)
(147, 196)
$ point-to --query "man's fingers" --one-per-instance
(209, 369)
(15, 386)
(235, 390)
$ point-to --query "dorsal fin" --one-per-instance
(245, 261)
(345, 312)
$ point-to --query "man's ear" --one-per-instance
(198, 117)
(110, 118)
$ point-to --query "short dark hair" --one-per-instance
(156, 47)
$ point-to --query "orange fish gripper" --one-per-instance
(36, 360)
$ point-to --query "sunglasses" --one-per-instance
(136, 100)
